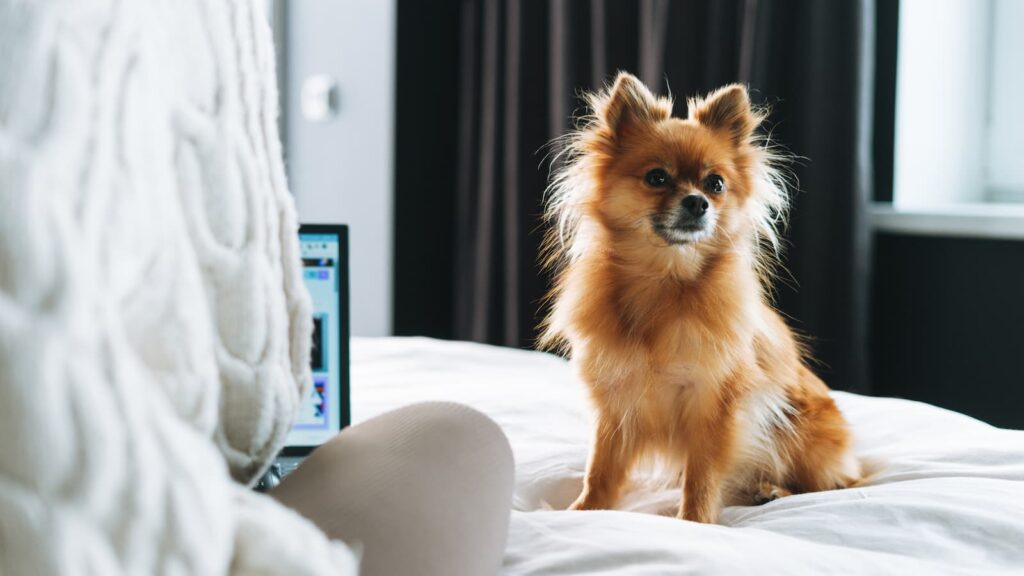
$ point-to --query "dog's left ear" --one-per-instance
(726, 109)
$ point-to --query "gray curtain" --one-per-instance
(521, 67)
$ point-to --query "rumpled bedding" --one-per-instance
(946, 495)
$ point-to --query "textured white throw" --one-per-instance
(154, 330)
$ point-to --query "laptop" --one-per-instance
(325, 411)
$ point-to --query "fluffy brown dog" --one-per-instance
(663, 237)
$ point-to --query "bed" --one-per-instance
(947, 496)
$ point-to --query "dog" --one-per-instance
(663, 242)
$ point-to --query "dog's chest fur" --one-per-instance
(666, 334)
(655, 352)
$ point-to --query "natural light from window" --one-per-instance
(959, 120)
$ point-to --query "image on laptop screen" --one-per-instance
(325, 411)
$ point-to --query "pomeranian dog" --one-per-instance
(663, 241)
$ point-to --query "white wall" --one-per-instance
(341, 169)
(941, 101)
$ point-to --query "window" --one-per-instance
(1005, 152)
(959, 122)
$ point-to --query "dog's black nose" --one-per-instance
(695, 204)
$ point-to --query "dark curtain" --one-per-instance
(520, 67)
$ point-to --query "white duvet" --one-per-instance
(947, 497)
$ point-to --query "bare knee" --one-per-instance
(426, 488)
(433, 434)
(455, 428)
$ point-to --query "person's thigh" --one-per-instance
(425, 489)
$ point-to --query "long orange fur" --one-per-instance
(684, 356)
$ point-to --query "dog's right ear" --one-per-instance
(628, 104)
(727, 109)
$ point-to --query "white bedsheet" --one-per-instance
(948, 497)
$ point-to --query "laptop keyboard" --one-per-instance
(278, 471)
(288, 465)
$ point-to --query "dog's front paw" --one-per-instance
(588, 501)
(701, 516)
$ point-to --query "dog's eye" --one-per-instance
(656, 178)
(714, 184)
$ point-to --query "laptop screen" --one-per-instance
(325, 411)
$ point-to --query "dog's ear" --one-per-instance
(629, 104)
(726, 109)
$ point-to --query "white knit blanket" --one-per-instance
(154, 329)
